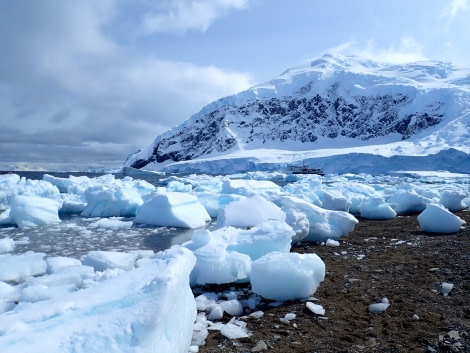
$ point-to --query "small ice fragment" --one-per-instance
(446, 288)
(315, 308)
(257, 314)
(290, 316)
(378, 307)
(332, 242)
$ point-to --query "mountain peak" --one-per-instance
(330, 102)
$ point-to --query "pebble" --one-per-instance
(453, 335)
(260, 346)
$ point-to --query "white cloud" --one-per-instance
(406, 50)
(178, 16)
(453, 9)
(70, 88)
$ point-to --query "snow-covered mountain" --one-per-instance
(334, 106)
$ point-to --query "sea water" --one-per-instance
(75, 236)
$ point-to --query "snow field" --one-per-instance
(138, 300)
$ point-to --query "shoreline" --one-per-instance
(391, 259)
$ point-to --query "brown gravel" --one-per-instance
(401, 263)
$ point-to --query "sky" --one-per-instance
(85, 83)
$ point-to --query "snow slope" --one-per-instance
(346, 107)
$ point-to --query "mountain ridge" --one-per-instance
(333, 101)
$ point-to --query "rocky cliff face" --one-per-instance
(331, 100)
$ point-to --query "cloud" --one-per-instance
(406, 50)
(453, 9)
(70, 89)
(178, 16)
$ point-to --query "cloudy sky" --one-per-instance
(85, 83)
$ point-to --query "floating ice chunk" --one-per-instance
(12, 185)
(17, 267)
(111, 200)
(379, 307)
(437, 219)
(287, 276)
(6, 245)
(376, 208)
(249, 212)
(147, 309)
(178, 186)
(214, 202)
(324, 224)
(407, 201)
(446, 288)
(452, 200)
(250, 187)
(111, 223)
(315, 308)
(103, 260)
(33, 211)
(72, 203)
(55, 263)
(172, 209)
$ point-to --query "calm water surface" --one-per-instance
(75, 236)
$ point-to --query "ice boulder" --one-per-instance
(111, 200)
(225, 255)
(149, 309)
(172, 209)
(324, 224)
(333, 199)
(437, 219)
(214, 263)
(376, 208)
(408, 201)
(12, 185)
(6, 245)
(215, 202)
(287, 276)
(250, 187)
(271, 235)
(299, 223)
(103, 260)
(249, 212)
(33, 211)
(452, 200)
(17, 267)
